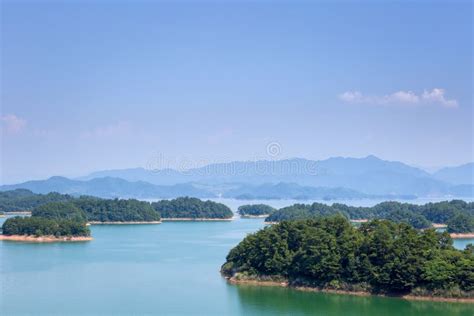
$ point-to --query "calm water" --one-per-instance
(167, 269)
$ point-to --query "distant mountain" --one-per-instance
(369, 175)
(334, 178)
(292, 191)
(463, 174)
(109, 187)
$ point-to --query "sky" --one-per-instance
(94, 85)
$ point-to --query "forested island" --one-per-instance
(255, 210)
(44, 229)
(457, 215)
(98, 210)
(187, 208)
(379, 257)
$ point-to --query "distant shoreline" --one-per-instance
(18, 213)
(253, 282)
(461, 235)
(124, 223)
(198, 219)
(364, 220)
(41, 239)
(255, 216)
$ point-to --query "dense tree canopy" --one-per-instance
(380, 257)
(60, 210)
(116, 210)
(25, 200)
(187, 207)
(39, 226)
(419, 216)
(255, 210)
(460, 223)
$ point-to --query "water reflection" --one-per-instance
(255, 300)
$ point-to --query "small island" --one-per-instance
(38, 229)
(378, 258)
(456, 216)
(255, 210)
(192, 209)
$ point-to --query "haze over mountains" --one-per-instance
(334, 178)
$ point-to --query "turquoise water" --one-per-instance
(167, 269)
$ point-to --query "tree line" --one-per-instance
(188, 207)
(378, 257)
(456, 214)
(255, 210)
(63, 214)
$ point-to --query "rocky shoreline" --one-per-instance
(255, 282)
(255, 216)
(461, 235)
(41, 239)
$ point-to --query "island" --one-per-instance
(378, 258)
(456, 215)
(117, 211)
(192, 209)
(39, 229)
(255, 210)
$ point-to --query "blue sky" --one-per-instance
(100, 85)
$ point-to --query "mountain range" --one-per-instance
(333, 178)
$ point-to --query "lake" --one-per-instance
(166, 269)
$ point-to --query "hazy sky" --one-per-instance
(88, 86)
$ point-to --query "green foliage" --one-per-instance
(382, 256)
(418, 216)
(255, 210)
(187, 207)
(460, 223)
(116, 210)
(39, 226)
(60, 210)
(25, 200)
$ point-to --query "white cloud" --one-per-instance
(435, 96)
(12, 124)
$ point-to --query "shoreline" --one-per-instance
(124, 223)
(41, 239)
(253, 282)
(255, 216)
(461, 235)
(364, 220)
(197, 219)
(18, 213)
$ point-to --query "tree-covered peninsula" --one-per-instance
(379, 257)
(255, 210)
(192, 209)
(457, 215)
